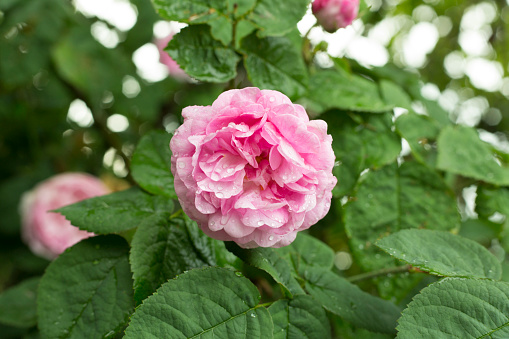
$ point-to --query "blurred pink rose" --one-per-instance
(164, 58)
(335, 14)
(48, 234)
(252, 168)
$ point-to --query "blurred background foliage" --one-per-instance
(80, 83)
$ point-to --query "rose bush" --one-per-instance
(49, 234)
(253, 168)
(335, 14)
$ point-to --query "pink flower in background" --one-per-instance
(252, 168)
(48, 234)
(335, 14)
(164, 58)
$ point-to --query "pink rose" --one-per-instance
(335, 14)
(252, 168)
(165, 58)
(48, 234)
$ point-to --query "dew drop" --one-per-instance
(182, 164)
(260, 223)
(285, 177)
(229, 170)
(225, 166)
(253, 315)
(272, 99)
(220, 195)
(239, 274)
(219, 187)
(212, 223)
(271, 238)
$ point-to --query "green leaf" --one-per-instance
(491, 200)
(339, 89)
(221, 29)
(201, 56)
(151, 164)
(268, 260)
(243, 29)
(460, 151)
(298, 318)
(442, 253)
(420, 131)
(309, 251)
(277, 17)
(360, 141)
(395, 95)
(189, 11)
(17, 304)
(207, 302)
(349, 302)
(162, 250)
(117, 212)
(395, 198)
(458, 308)
(87, 292)
(275, 63)
(480, 230)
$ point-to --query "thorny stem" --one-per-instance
(383, 271)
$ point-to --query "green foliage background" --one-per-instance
(49, 59)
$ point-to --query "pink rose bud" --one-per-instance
(335, 14)
(47, 233)
(252, 168)
(165, 58)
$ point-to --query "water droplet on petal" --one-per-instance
(212, 223)
(219, 187)
(261, 222)
(225, 165)
(182, 164)
(220, 195)
(285, 177)
(229, 170)
(272, 99)
(271, 238)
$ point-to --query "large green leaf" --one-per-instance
(300, 317)
(339, 89)
(277, 17)
(270, 261)
(395, 198)
(17, 304)
(87, 292)
(310, 251)
(360, 141)
(117, 212)
(349, 302)
(442, 253)
(458, 308)
(420, 131)
(275, 63)
(162, 250)
(460, 151)
(203, 57)
(151, 164)
(207, 302)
